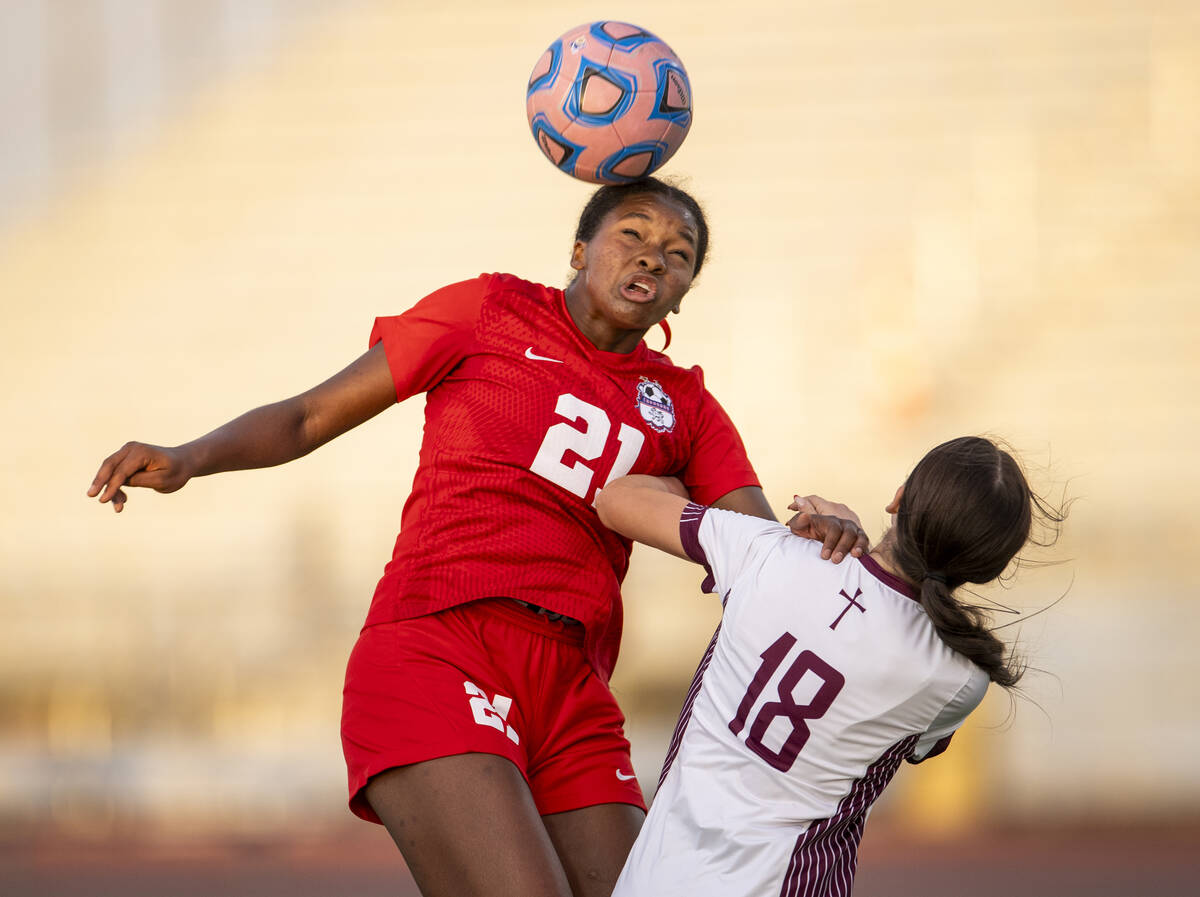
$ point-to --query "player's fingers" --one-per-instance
(839, 537)
(827, 530)
(831, 535)
(135, 458)
(853, 542)
(118, 501)
(862, 543)
(113, 484)
(801, 525)
(107, 466)
(112, 488)
(819, 505)
(801, 504)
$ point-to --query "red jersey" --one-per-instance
(524, 421)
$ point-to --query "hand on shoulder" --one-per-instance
(833, 524)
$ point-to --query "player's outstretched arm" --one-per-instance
(264, 437)
(645, 509)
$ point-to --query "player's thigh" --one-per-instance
(468, 827)
(593, 843)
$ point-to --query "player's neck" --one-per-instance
(600, 332)
(882, 553)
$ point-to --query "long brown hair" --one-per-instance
(965, 512)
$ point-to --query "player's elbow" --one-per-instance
(613, 503)
(604, 504)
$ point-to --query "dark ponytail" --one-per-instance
(965, 512)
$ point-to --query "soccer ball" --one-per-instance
(608, 102)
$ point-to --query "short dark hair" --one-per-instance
(966, 511)
(610, 196)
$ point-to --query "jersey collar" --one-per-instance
(889, 579)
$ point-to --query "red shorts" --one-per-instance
(486, 677)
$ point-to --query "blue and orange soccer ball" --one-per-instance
(608, 102)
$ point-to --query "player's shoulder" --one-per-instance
(887, 582)
(499, 282)
(689, 380)
(507, 298)
(661, 359)
(738, 531)
(899, 601)
(909, 625)
(746, 522)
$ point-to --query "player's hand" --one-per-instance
(137, 464)
(834, 525)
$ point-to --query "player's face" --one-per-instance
(633, 272)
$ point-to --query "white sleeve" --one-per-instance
(725, 542)
(937, 737)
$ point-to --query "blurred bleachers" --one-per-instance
(929, 218)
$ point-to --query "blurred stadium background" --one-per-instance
(929, 218)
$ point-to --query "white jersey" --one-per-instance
(820, 679)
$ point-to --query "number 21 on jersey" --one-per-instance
(586, 436)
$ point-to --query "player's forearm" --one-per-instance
(283, 431)
(748, 500)
(645, 509)
(263, 437)
(645, 481)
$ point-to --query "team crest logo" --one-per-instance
(655, 406)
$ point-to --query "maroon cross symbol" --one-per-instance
(852, 603)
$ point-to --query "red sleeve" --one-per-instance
(429, 340)
(718, 464)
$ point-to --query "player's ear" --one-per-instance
(577, 255)
(894, 507)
